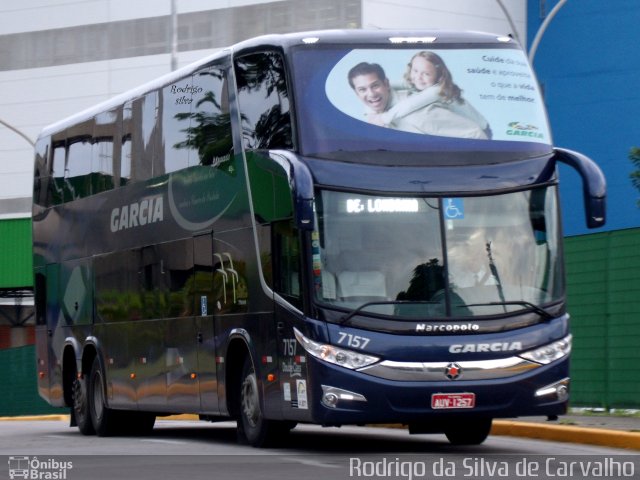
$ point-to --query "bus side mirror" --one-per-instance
(594, 185)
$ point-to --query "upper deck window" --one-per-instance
(416, 100)
(264, 101)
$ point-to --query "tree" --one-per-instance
(634, 156)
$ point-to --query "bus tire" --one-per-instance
(470, 432)
(80, 406)
(253, 428)
(103, 418)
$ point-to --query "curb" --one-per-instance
(31, 418)
(567, 433)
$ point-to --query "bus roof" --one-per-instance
(286, 41)
(372, 37)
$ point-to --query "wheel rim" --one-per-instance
(250, 401)
(98, 395)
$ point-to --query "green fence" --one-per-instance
(603, 281)
(18, 372)
(15, 253)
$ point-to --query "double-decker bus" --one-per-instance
(340, 227)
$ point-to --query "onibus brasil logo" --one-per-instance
(38, 469)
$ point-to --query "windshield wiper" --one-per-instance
(353, 313)
(523, 303)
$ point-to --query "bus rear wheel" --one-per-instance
(253, 428)
(80, 406)
(470, 432)
(103, 418)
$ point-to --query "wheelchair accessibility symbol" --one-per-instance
(453, 208)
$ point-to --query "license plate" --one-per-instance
(453, 400)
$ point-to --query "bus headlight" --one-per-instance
(549, 353)
(332, 354)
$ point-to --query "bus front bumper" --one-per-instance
(341, 396)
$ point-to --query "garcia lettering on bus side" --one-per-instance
(137, 214)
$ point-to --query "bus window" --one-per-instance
(287, 262)
(202, 276)
(264, 101)
(209, 133)
(176, 278)
(176, 106)
(142, 142)
(116, 286)
(104, 132)
(77, 180)
(57, 172)
(42, 172)
(125, 152)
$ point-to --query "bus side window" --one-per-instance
(209, 134)
(286, 253)
(125, 145)
(42, 173)
(264, 101)
(177, 105)
(56, 192)
(104, 134)
(77, 179)
(144, 138)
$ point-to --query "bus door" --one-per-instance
(228, 302)
(204, 301)
(288, 314)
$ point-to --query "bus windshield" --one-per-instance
(473, 99)
(437, 257)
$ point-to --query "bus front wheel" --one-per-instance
(253, 428)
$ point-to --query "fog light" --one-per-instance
(563, 392)
(556, 391)
(330, 399)
(332, 395)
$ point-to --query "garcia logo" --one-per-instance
(523, 130)
(138, 214)
(485, 347)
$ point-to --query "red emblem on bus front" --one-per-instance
(453, 371)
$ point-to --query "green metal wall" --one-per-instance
(18, 372)
(603, 282)
(15, 253)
